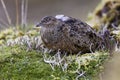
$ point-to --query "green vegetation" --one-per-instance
(16, 63)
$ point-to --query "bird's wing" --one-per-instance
(80, 33)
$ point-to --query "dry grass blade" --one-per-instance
(24, 7)
(22, 12)
(17, 13)
(6, 12)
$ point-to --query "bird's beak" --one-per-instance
(37, 26)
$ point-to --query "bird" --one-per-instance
(68, 34)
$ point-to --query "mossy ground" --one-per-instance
(18, 64)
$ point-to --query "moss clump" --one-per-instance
(17, 64)
(107, 13)
(13, 33)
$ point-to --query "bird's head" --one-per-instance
(47, 21)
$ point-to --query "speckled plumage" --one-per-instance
(68, 34)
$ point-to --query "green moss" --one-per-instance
(18, 64)
(22, 65)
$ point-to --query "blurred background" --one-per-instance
(39, 8)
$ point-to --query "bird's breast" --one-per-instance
(49, 37)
